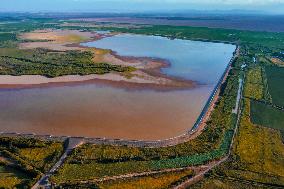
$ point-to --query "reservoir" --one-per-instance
(101, 110)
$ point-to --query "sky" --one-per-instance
(271, 6)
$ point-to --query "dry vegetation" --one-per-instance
(54, 39)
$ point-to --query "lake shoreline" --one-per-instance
(148, 73)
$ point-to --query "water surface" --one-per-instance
(97, 110)
(199, 61)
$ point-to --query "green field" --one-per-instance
(275, 79)
(267, 116)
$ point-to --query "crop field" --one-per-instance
(265, 114)
(23, 158)
(257, 160)
(258, 154)
(268, 116)
(254, 84)
(275, 79)
(155, 181)
(90, 169)
(11, 177)
(38, 154)
(165, 180)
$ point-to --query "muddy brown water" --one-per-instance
(100, 110)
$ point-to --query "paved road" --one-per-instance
(235, 111)
(72, 144)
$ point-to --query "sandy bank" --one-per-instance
(138, 79)
(38, 79)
